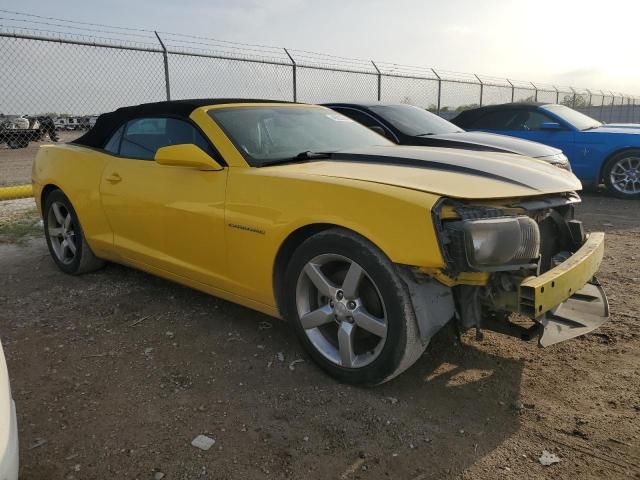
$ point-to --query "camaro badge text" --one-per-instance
(247, 228)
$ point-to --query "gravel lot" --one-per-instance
(15, 165)
(116, 372)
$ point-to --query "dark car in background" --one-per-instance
(410, 125)
(598, 152)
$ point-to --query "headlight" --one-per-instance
(559, 160)
(492, 244)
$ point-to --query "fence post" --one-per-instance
(602, 106)
(513, 90)
(590, 96)
(573, 98)
(165, 56)
(557, 93)
(294, 68)
(535, 89)
(439, 90)
(481, 87)
(379, 80)
(613, 106)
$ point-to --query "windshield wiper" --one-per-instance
(425, 134)
(591, 128)
(300, 157)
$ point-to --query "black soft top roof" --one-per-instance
(467, 117)
(108, 123)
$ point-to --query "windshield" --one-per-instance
(414, 121)
(573, 117)
(268, 134)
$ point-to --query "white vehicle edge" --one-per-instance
(9, 461)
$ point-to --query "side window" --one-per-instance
(113, 145)
(144, 136)
(497, 120)
(535, 120)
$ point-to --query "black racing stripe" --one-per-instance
(415, 162)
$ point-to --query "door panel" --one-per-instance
(133, 193)
(194, 224)
(168, 217)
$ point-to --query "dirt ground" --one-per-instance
(15, 165)
(115, 372)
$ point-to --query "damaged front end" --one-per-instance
(529, 257)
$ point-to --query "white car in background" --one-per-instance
(9, 462)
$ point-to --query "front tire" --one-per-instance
(65, 237)
(350, 309)
(622, 175)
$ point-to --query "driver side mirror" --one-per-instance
(550, 126)
(186, 155)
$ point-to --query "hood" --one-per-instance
(627, 128)
(502, 143)
(442, 171)
(622, 125)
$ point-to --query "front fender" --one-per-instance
(264, 209)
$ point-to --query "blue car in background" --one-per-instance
(597, 152)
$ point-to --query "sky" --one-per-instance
(588, 44)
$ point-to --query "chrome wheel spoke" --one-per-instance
(58, 213)
(71, 244)
(64, 247)
(60, 232)
(318, 317)
(368, 322)
(321, 282)
(345, 342)
(352, 281)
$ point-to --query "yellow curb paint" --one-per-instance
(16, 191)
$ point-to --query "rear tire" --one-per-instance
(350, 309)
(622, 175)
(65, 237)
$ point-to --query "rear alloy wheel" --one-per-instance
(622, 175)
(65, 238)
(350, 309)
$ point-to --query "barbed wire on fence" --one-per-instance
(59, 74)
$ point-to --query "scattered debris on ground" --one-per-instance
(124, 401)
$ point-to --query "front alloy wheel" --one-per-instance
(341, 310)
(622, 175)
(350, 309)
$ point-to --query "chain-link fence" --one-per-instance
(54, 84)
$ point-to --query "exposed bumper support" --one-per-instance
(538, 295)
(585, 311)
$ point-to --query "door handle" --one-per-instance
(114, 178)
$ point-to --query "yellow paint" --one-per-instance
(463, 278)
(15, 191)
(558, 284)
(220, 230)
(186, 155)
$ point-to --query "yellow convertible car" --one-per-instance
(365, 247)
